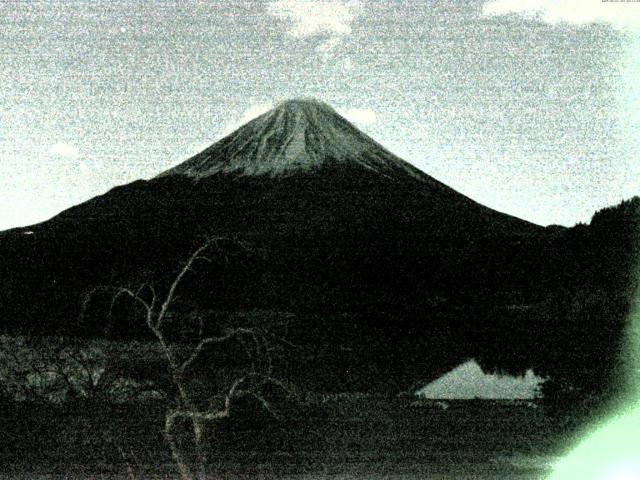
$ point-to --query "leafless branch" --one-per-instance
(256, 343)
(170, 298)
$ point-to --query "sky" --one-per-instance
(530, 107)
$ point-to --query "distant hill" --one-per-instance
(391, 277)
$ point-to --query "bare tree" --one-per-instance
(180, 361)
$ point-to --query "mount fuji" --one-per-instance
(391, 275)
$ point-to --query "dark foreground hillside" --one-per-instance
(344, 437)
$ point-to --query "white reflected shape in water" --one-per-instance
(469, 381)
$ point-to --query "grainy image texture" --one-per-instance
(332, 239)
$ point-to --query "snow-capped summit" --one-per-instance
(297, 135)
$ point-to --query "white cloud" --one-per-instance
(65, 150)
(329, 45)
(254, 111)
(347, 64)
(619, 14)
(331, 19)
(249, 114)
(363, 116)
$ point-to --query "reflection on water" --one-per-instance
(468, 381)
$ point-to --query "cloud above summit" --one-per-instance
(64, 150)
(363, 116)
(330, 20)
(618, 14)
(251, 112)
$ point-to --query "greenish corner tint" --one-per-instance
(611, 450)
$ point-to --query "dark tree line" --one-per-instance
(573, 327)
